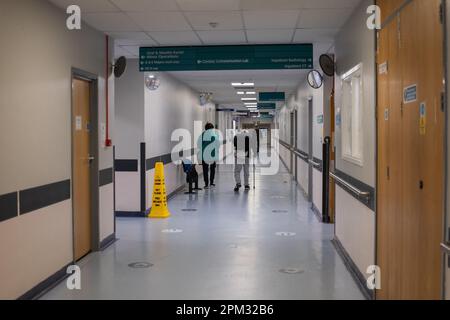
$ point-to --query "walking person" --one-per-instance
(209, 145)
(244, 149)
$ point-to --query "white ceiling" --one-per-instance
(225, 95)
(135, 23)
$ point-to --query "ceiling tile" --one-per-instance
(229, 20)
(209, 5)
(271, 4)
(222, 37)
(323, 18)
(160, 21)
(132, 38)
(146, 5)
(282, 19)
(134, 50)
(176, 38)
(329, 4)
(110, 22)
(270, 36)
(87, 6)
(314, 35)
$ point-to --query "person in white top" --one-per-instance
(244, 150)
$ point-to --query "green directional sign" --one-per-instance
(267, 106)
(272, 96)
(240, 57)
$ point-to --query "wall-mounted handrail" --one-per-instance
(299, 154)
(315, 164)
(445, 248)
(355, 190)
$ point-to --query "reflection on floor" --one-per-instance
(226, 246)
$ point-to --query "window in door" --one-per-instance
(352, 106)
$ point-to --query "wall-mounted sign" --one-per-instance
(410, 94)
(78, 123)
(320, 119)
(267, 106)
(383, 68)
(272, 96)
(423, 119)
(244, 57)
(338, 119)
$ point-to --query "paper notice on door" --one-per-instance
(423, 118)
(78, 123)
(383, 68)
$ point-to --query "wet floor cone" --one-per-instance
(159, 201)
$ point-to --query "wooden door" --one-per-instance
(410, 152)
(81, 167)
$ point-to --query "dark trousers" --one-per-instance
(209, 178)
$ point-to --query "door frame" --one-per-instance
(446, 218)
(93, 150)
(310, 148)
(295, 145)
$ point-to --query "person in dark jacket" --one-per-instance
(208, 144)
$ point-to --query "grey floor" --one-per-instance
(228, 249)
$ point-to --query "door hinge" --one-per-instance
(388, 173)
(443, 100)
(401, 109)
(441, 13)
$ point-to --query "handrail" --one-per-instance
(315, 164)
(445, 248)
(355, 190)
(301, 155)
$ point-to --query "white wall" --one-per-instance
(151, 117)
(355, 224)
(35, 135)
(300, 101)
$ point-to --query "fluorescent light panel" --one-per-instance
(245, 84)
(248, 99)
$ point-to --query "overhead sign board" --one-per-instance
(267, 106)
(272, 96)
(237, 57)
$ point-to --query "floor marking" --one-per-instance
(291, 271)
(285, 234)
(172, 231)
(140, 265)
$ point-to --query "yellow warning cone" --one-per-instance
(159, 200)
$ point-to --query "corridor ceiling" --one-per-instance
(135, 23)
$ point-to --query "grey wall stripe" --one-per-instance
(43, 196)
(360, 185)
(167, 158)
(126, 165)
(8, 206)
(105, 177)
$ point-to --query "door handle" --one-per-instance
(445, 248)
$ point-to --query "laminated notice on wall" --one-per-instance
(78, 123)
(410, 94)
(383, 68)
(423, 118)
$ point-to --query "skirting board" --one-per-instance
(139, 214)
(353, 269)
(43, 287)
(109, 240)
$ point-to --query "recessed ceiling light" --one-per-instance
(240, 93)
(250, 92)
(248, 99)
(245, 84)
